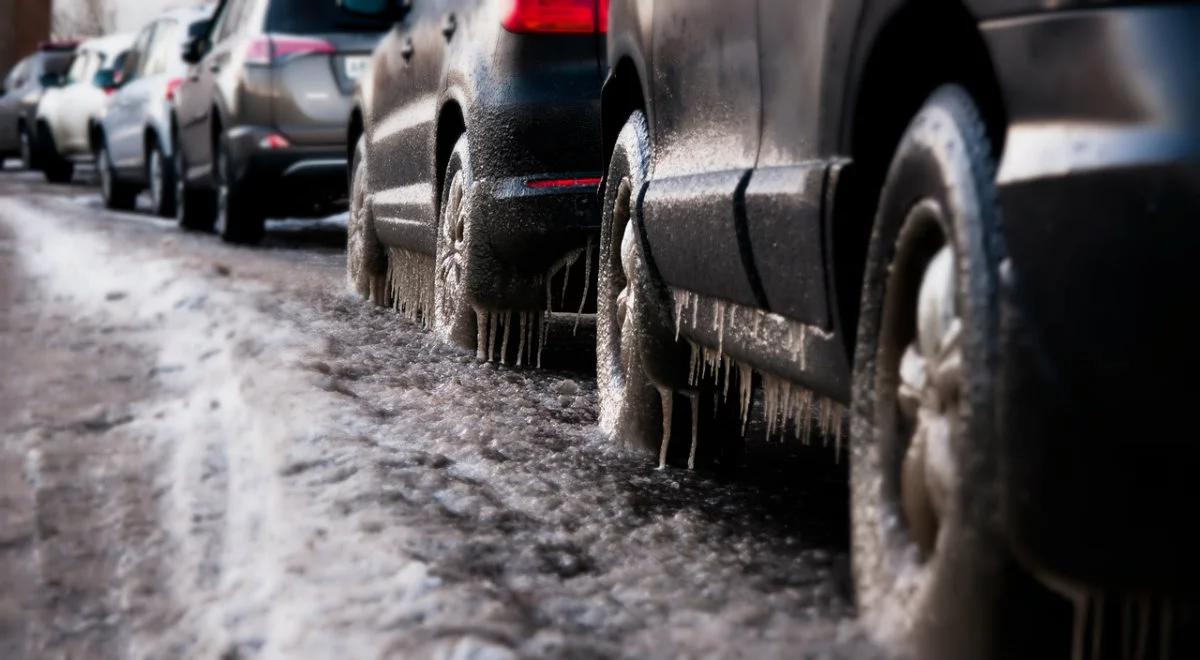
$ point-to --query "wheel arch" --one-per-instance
(451, 124)
(620, 97)
(900, 62)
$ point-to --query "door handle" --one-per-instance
(449, 26)
(407, 50)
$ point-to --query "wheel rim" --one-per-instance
(453, 238)
(923, 363)
(222, 193)
(26, 149)
(105, 173)
(619, 266)
(180, 173)
(156, 182)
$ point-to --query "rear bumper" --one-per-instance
(291, 181)
(1099, 186)
(524, 234)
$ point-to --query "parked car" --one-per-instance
(134, 141)
(68, 112)
(969, 230)
(20, 93)
(262, 117)
(475, 165)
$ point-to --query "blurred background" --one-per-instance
(25, 23)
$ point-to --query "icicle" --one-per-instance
(543, 325)
(666, 396)
(493, 321)
(719, 322)
(746, 384)
(695, 302)
(481, 326)
(524, 334)
(504, 343)
(587, 284)
(838, 423)
(695, 398)
(726, 364)
(680, 306)
(567, 277)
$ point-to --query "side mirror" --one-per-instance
(49, 80)
(194, 50)
(106, 80)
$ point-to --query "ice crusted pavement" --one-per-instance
(213, 452)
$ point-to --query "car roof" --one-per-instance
(187, 15)
(109, 45)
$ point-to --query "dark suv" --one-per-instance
(964, 230)
(20, 92)
(475, 165)
(262, 116)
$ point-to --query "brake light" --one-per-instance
(274, 141)
(272, 49)
(173, 86)
(564, 183)
(556, 16)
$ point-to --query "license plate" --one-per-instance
(356, 66)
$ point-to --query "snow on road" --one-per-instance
(222, 453)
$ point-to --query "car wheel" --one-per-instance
(366, 261)
(194, 209)
(118, 196)
(161, 174)
(637, 356)
(239, 219)
(932, 572)
(56, 168)
(453, 317)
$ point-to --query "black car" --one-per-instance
(261, 117)
(20, 92)
(476, 137)
(963, 233)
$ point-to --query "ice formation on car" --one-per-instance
(410, 279)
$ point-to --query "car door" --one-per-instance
(198, 93)
(123, 131)
(406, 100)
(71, 129)
(705, 123)
(784, 197)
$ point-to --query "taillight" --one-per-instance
(556, 16)
(173, 86)
(273, 49)
(540, 184)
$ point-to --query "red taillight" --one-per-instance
(276, 48)
(564, 183)
(173, 86)
(556, 16)
(274, 141)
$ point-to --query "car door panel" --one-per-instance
(403, 138)
(706, 131)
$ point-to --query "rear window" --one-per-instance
(318, 17)
(57, 63)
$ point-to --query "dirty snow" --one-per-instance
(221, 452)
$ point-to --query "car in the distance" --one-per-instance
(262, 117)
(476, 155)
(20, 92)
(68, 112)
(135, 139)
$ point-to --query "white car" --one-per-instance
(67, 113)
(135, 140)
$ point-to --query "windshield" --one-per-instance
(318, 17)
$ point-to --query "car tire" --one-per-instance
(637, 357)
(453, 317)
(117, 195)
(195, 209)
(239, 219)
(161, 176)
(56, 168)
(366, 260)
(933, 575)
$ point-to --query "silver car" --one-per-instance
(134, 140)
(67, 114)
(20, 92)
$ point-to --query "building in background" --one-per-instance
(23, 24)
(86, 18)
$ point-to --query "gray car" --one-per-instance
(262, 117)
(134, 141)
(19, 95)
